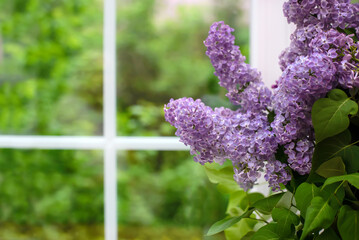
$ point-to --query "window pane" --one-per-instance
(48, 194)
(165, 195)
(51, 67)
(161, 55)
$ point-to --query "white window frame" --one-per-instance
(110, 143)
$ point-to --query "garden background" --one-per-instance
(51, 84)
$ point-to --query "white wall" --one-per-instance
(270, 34)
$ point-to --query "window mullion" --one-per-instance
(109, 115)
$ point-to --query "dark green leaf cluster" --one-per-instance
(310, 212)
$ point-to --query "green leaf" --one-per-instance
(249, 199)
(338, 145)
(271, 116)
(332, 167)
(337, 95)
(284, 215)
(328, 148)
(330, 115)
(286, 220)
(248, 236)
(350, 157)
(254, 197)
(296, 180)
(319, 215)
(235, 199)
(280, 155)
(304, 195)
(267, 232)
(353, 179)
(333, 194)
(224, 178)
(267, 204)
(240, 229)
(285, 201)
(328, 234)
(348, 223)
(217, 166)
(227, 222)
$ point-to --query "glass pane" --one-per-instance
(51, 67)
(165, 195)
(161, 55)
(48, 194)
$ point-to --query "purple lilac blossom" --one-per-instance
(243, 83)
(318, 59)
(300, 155)
(312, 17)
(276, 173)
(343, 52)
(331, 13)
(195, 127)
(254, 143)
(215, 135)
(301, 84)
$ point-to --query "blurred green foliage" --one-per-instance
(159, 61)
(160, 187)
(50, 59)
(51, 84)
(66, 189)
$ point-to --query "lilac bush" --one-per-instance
(269, 123)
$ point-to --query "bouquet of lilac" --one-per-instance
(302, 135)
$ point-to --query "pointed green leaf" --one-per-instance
(268, 232)
(248, 236)
(330, 115)
(223, 175)
(333, 194)
(319, 215)
(227, 222)
(350, 157)
(353, 179)
(328, 148)
(249, 199)
(286, 200)
(235, 198)
(348, 223)
(332, 167)
(296, 180)
(284, 215)
(286, 220)
(240, 229)
(337, 95)
(224, 178)
(304, 195)
(267, 204)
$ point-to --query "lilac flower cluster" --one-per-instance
(313, 17)
(330, 13)
(302, 82)
(220, 134)
(243, 83)
(193, 121)
(343, 52)
(300, 155)
(321, 57)
(276, 173)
